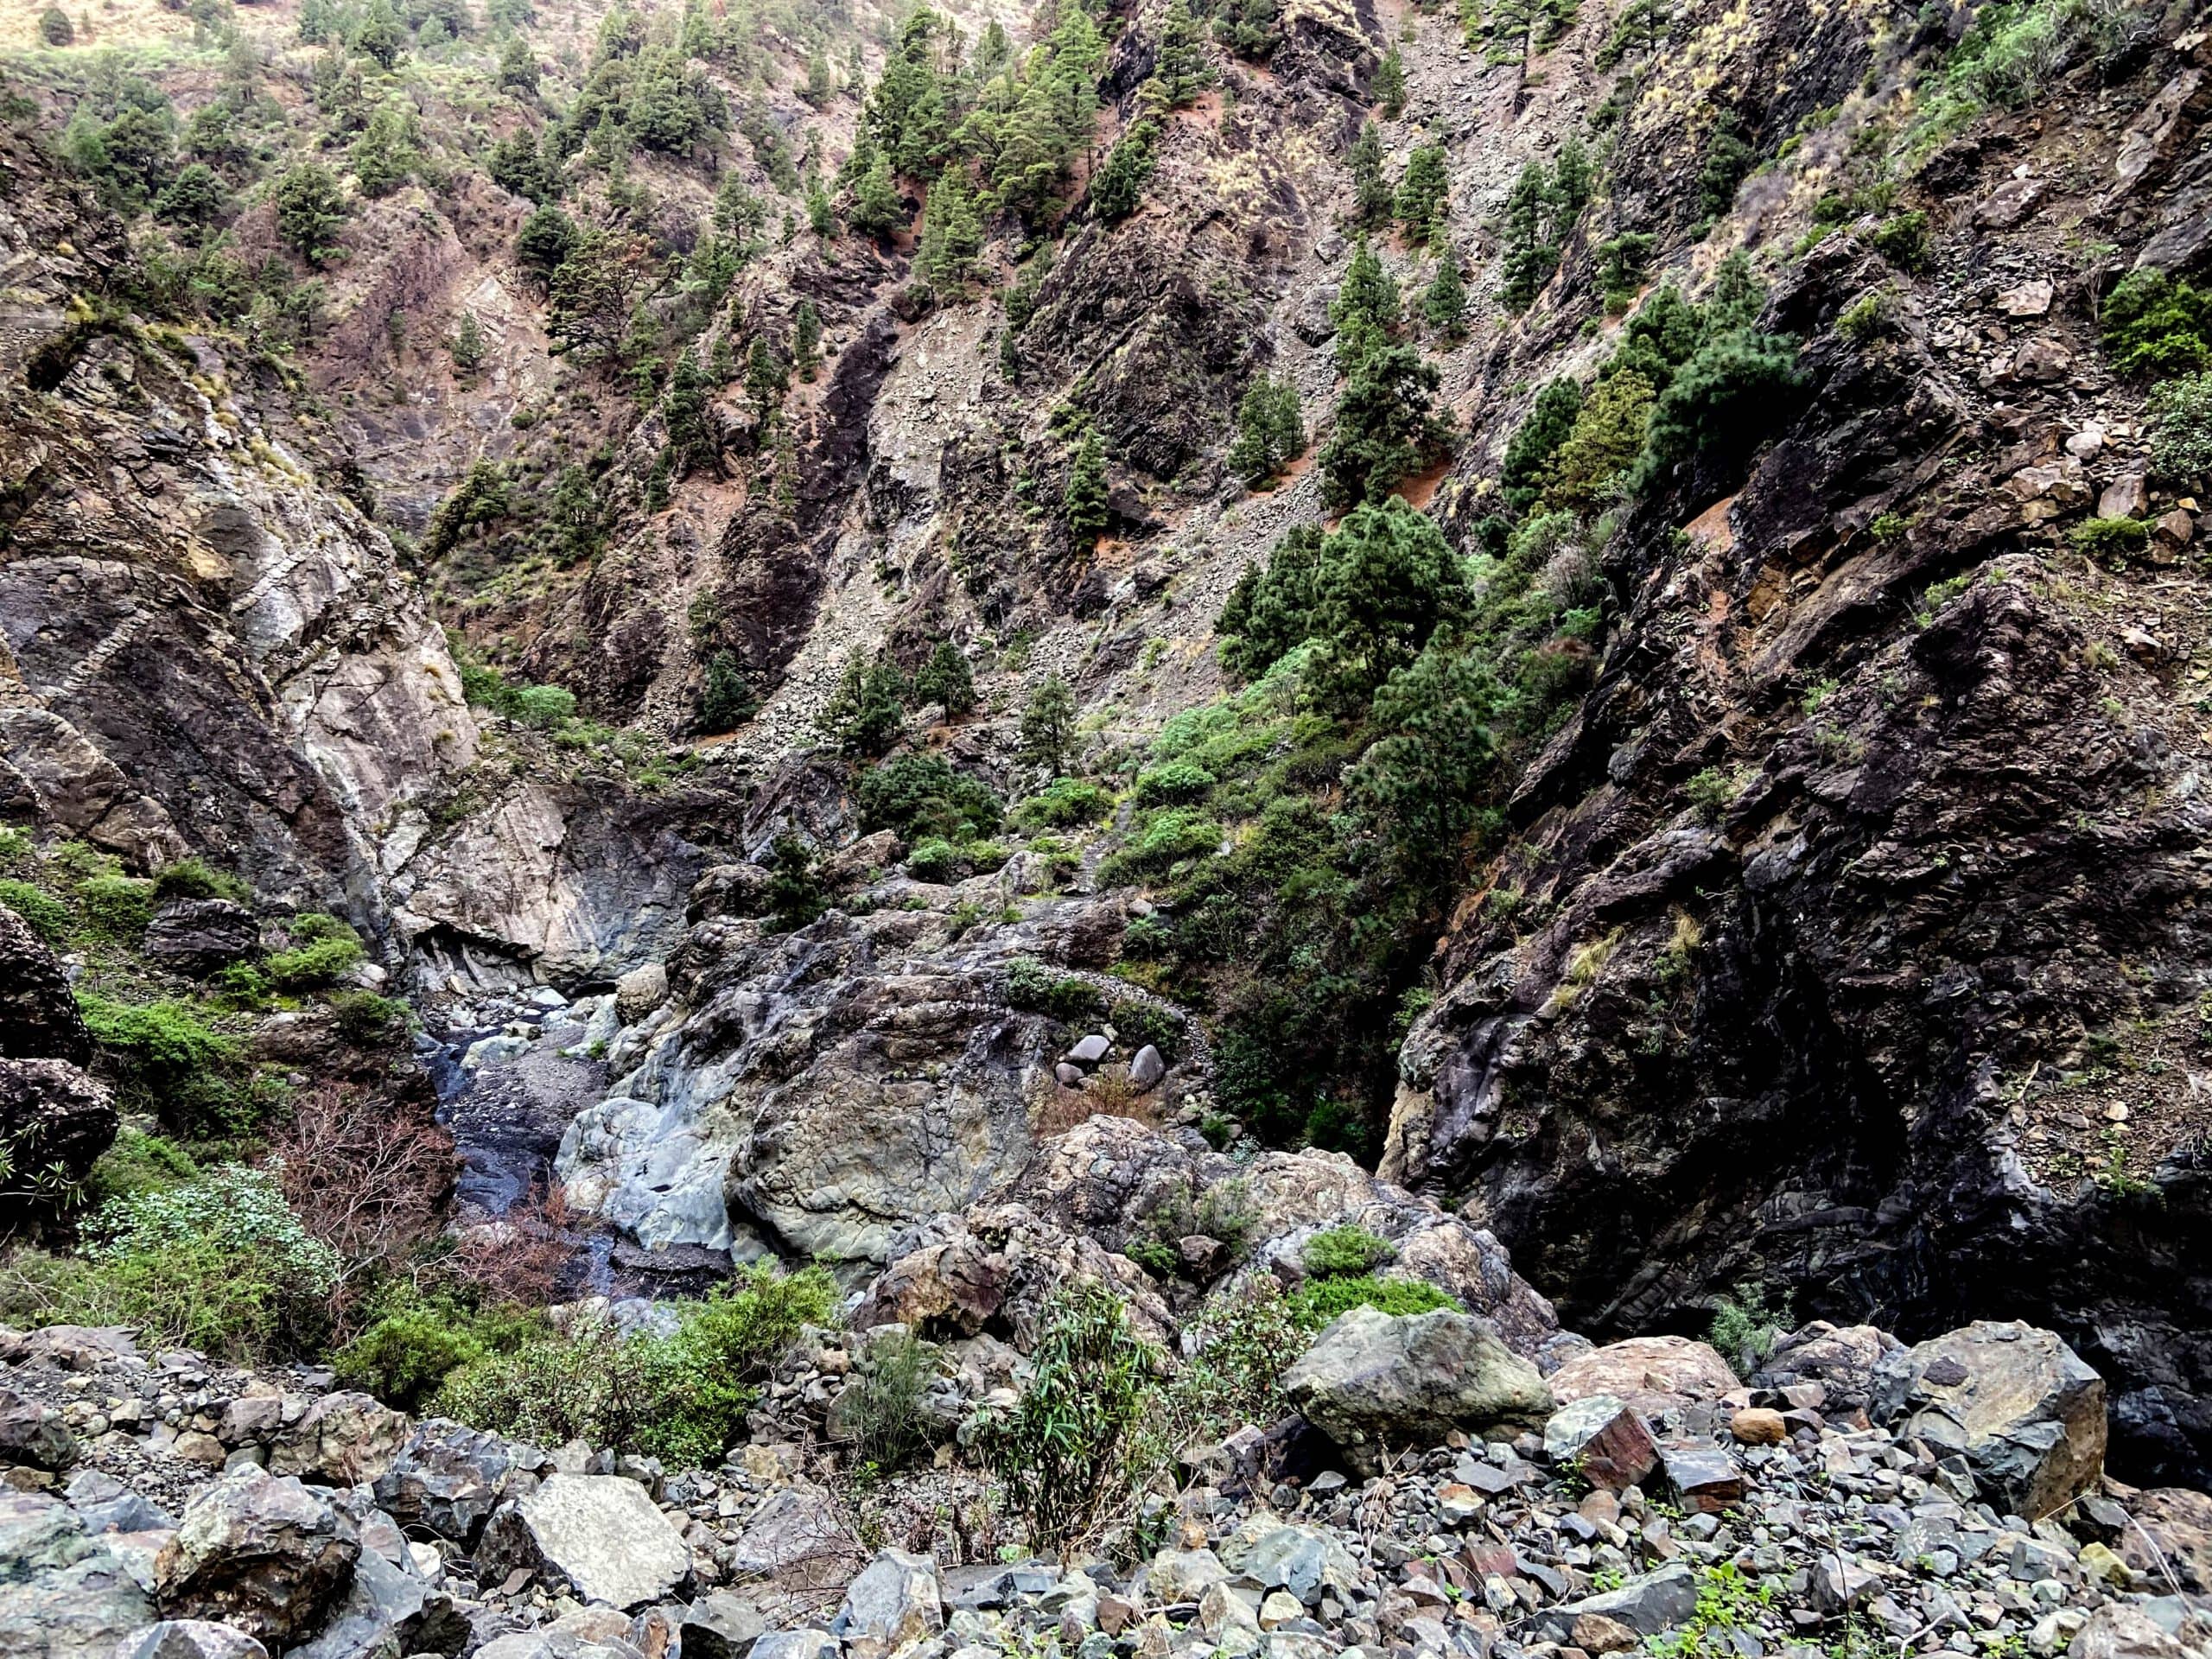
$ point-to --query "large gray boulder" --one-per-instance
(261, 1552)
(190, 1638)
(1372, 1382)
(34, 1435)
(447, 1480)
(345, 1439)
(2024, 1410)
(600, 1534)
(63, 1595)
(896, 1600)
(199, 936)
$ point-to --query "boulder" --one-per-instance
(55, 1116)
(719, 1627)
(388, 1609)
(1146, 1068)
(2116, 1630)
(2015, 1400)
(63, 1595)
(259, 1551)
(189, 1638)
(1654, 1375)
(599, 1534)
(345, 1439)
(1372, 1382)
(105, 1504)
(1608, 1443)
(1842, 1359)
(795, 1534)
(639, 991)
(896, 1600)
(1648, 1604)
(34, 1435)
(1305, 1562)
(446, 1480)
(2171, 1533)
(39, 1019)
(796, 1645)
(557, 1643)
(200, 936)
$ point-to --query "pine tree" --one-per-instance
(817, 79)
(1083, 506)
(1529, 451)
(574, 514)
(1513, 26)
(1270, 431)
(1527, 259)
(1443, 303)
(683, 405)
(1048, 725)
(726, 700)
(765, 379)
(1118, 185)
(517, 66)
(877, 209)
(1390, 89)
(310, 212)
(806, 340)
(1184, 66)
(1573, 182)
(865, 715)
(1607, 437)
(468, 345)
(1371, 194)
(1367, 306)
(381, 35)
(1387, 427)
(952, 235)
(946, 679)
(1425, 194)
(386, 152)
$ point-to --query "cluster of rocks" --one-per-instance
(1433, 1494)
(53, 1113)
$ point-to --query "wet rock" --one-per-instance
(260, 1552)
(599, 1534)
(446, 1480)
(2026, 1412)
(1372, 1382)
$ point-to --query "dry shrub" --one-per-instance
(367, 1176)
(520, 1257)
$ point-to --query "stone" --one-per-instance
(719, 1627)
(2042, 359)
(2169, 1531)
(259, 1551)
(493, 1050)
(65, 1115)
(1607, 1443)
(190, 1638)
(1653, 1375)
(1700, 1475)
(34, 1435)
(895, 1600)
(1176, 1575)
(641, 991)
(1370, 1382)
(446, 1480)
(195, 1447)
(2173, 530)
(1839, 1586)
(1068, 1076)
(2126, 496)
(2116, 1630)
(1594, 1633)
(200, 936)
(1758, 1426)
(2019, 1405)
(599, 1534)
(345, 1439)
(63, 1595)
(1089, 1051)
(1146, 1068)
(1307, 1562)
(1648, 1604)
(796, 1645)
(1840, 1359)
(105, 1504)
(796, 1528)
(39, 1016)
(388, 1609)
(2029, 299)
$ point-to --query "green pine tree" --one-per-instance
(946, 679)
(1184, 67)
(1048, 725)
(1443, 303)
(1372, 197)
(806, 340)
(466, 346)
(1528, 257)
(1083, 506)
(1424, 197)
(1389, 91)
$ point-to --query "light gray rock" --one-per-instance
(493, 1050)
(344, 1439)
(1649, 1604)
(1090, 1051)
(63, 1595)
(446, 1480)
(190, 1638)
(655, 1171)
(795, 1530)
(1304, 1561)
(599, 1534)
(259, 1551)
(896, 1600)
(105, 1504)
(719, 1627)
(639, 991)
(796, 1645)
(1146, 1068)
(2022, 1408)
(1372, 1382)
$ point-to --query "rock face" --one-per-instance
(55, 1119)
(599, 1533)
(2028, 1415)
(261, 1553)
(1372, 1382)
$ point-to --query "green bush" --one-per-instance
(312, 966)
(41, 911)
(1902, 240)
(1162, 841)
(2110, 538)
(117, 906)
(194, 878)
(2156, 324)
(1727, 399)
(1349, 1250)
(2180, 430)
(369, 1020)
(681, 1397)
(935, 859)
(1032, 985)
(1745, 1326)
(1060, 1453)
(1316, 1301)
(1139, 1023)
(1177, 783)
(136, 1163)
(163, 1054)
(1063, 803)
(890, 1427)
(921, 796)
(404, 1357)
(1711, 793)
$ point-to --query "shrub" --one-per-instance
(919, 795)
(1316, 1301)
(137, 1162)
(681, 1397)
(1162, 841)
(2180, 430)
(312, 966)
(194, 878)
(890, 1426)
(1711, 793)
(2156, 324)
(1902, 240)
(118, 905)
(2110, 538)
(368, 1020)
(1059, 1451)
(1063, 803)
(793, 896)
(1176, 782)
(41, 911)
(1865, 318)
(934, 859)
(162, 1054)
(543, 707)
(1139, 1023)
(1348, 1249)
(1243, 1348)
(1745, 1328)
(404, 1358)
(1725, 400)
(1031, 986)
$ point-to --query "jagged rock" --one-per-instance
(2118, 1631)
(34, 1435)
(1652, 1374)
(796, 1645)
(719, 1627)
(344, 1439)
(600, 1534)
(39, 1018)
(62, 1594)
(1372, 1382)
(729, 890)
(556, 1644)
(105, 1504)
(1841, 1359)
(1176, 1575)
(639, 991)
(1648, 1604)
(895, 1600)
(190, 1638)
(2171, 1531)
(2021, 1405)
(1608, 1443)
(260, 1552)
(55, 1117)
(199, 936)
(1306, 1561)
(795, 1534)
(1700, 1475)
(388, 1609)
(446, 1480)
